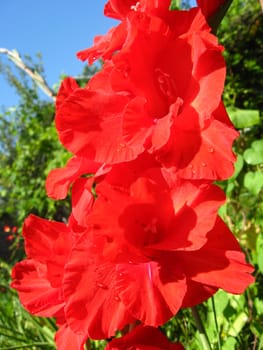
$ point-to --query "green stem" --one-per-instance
(27, 346)
(88, 345)
(216, 324)
(216, 19)
(202, 333)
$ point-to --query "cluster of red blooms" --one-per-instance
(11, 230)
(144, 238)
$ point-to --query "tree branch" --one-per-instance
(34, 75)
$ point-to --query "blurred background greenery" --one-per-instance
(29, 149)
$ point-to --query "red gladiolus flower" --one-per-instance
(151, 134)
(149, 99)
(90, 118)
(39, 281)
(93, 306)
(38, 278)
(106, 45)
(181, 109)
(148, 239)
(143, 338)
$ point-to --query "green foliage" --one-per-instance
(259, 259)
(18, 329)
(241, 33)
(231, 321)
(179, 4)
(254, 154)
(27, 161)
(29, 148)
(244, 118)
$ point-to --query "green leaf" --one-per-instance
(175, 4)
(254, 154)
(238, 166)
(229, 344)
(238, 324)
(259, 252)
(258, 303)
(257, 329)
(243, 118)
(260, 346)
(229, 189)
(253, 181)
(221, 301)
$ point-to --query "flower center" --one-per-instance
(166, 84)
(136, 6)
(151, 232)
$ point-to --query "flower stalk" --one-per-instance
(215, 20)
(201, 329)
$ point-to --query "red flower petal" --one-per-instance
(142, 285)
(196, 217)
(82, 200)
(68, 86)
(220, 263)
(204, 155)
(50, 243)
(197, 293)
(105, 45)
(38, 279)
(66, 338)
(143, 338)
(90, 125)
(59, 180)
(118, 8)
(35, 291)
(92, 305)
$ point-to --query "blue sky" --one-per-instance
(56, 28)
